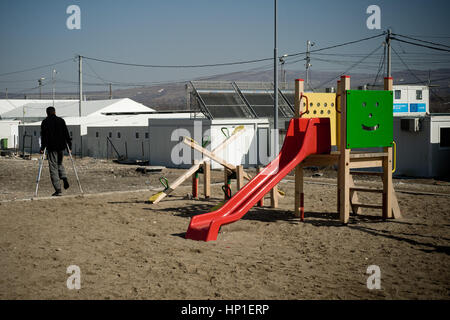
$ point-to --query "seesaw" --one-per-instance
(192, 170)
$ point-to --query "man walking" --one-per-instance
(55, 137)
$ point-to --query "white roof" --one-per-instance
(140, 120)
(99, 120)
(410, 86)
(7, 105)
(71, 108)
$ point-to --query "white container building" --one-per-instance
(167, 150)
(411, 100)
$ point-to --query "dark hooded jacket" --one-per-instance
(54, 134)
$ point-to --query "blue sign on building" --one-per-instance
(417, 107)
(400, 107)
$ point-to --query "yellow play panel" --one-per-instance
(321, 105)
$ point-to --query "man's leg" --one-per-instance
(54, 170)
(61, 170)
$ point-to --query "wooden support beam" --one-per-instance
(365, 164)
(274, 197)
(367, 155)
(207, 179)
(212, 156)
(298, 105)
(344, 159)
(388, 189)
(364, 205)
(298, 192)
(366, 173)
(299, 201)
(353, 196)
(195, 178)
(387, 184)
(338, 141)
(260, 202)
(225, 182)
(361, 189)
(239, 177)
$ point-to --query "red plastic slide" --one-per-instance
(303, 137)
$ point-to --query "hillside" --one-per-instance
(172, 96)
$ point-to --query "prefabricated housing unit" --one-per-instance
(127, 135)
(411, 100)
(423, 146)
(93, 113)
(167, 150)
(30, 133)
(9, 129)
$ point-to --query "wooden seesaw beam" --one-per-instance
(211, 154)
(161, 195)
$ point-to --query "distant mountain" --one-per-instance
(173, 96)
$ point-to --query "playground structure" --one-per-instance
(363, 119)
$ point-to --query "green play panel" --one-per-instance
(369, 119)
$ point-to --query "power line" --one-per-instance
(428, 36)
(382, 62)
(429, 42)
(177, 66)
(347, 70)
(337, 45)
(414, 75)
(225, 63)
(420, 45)
(35, 68)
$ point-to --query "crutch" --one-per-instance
(74, 168)
(41, 164)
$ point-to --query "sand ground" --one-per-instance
(128, 249)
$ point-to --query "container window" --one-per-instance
(110, 134)
(398, 94)
(118, 135)
(418, 94)
(444, 138)
(146, 135)
(137, 135)
(96, 134)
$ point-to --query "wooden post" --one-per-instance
(387, 183)
(338, 134)
(207, 179)
(239, 177)
(388, 189)
(195, 183)
(226, 184)
(299, 89)
(344, 158)
(260, 202)
(274, 197)
(298, 192)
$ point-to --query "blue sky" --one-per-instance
(34, 33)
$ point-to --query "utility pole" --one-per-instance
(282, 70)
(275, 75)
(388, 43)
(53, 82)
(309, 44)
(80, 82)
(40, 87)
(6, 93)
(110, 91)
